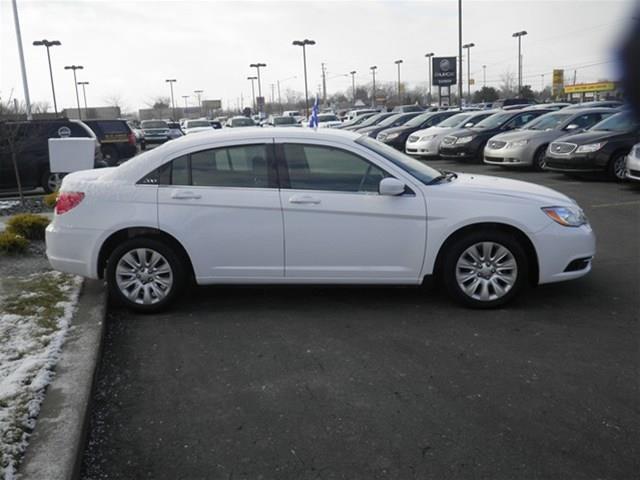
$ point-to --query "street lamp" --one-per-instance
(198, 93)
(171, 81)
(428, 57)
(353, 85)
(52, 43)
(84, 94)
(468, 47)
(398, 62)
(303, 44)
(373, 96)
(257, 66)
(75, 84)
(253, 92)
(519, 36)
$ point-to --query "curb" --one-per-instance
(56, 445)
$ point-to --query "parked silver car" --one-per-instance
(633, 163)
(527, 147)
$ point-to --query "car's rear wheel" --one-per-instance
(145, 274)
(50, 182)
(111, 155)
(539, 159)
(485, 269)
(617, 167)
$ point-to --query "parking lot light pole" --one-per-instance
(48, 44)
(23, 68)
(428, 57)
(199, 93)
(186, 98)
(253, 92)
(303, 44)
(459, 54)
(353, 85)
(373, 94)
(75, 84)
(519, 36)
(484, 75)
(171, 81)
(84, 95)
(468, 47)
(257, 66)
(398, 62)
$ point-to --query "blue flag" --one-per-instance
(313, 120)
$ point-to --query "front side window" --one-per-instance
(314, 167)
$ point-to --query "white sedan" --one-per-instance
(298, 206)
(195, 126)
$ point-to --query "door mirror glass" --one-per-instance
(573, 126)
(391, 186)
(468, 125)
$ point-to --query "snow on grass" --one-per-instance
(7, 204)
(35, 315)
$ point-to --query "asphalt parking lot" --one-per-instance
(397, 383)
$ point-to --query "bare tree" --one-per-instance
(508, 88)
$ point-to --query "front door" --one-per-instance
(338, 229)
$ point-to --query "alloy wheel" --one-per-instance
(620, 167)
(144, 276)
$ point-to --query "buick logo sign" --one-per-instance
(445, 65)
(64, 132)
(444, 71)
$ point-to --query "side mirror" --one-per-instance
(391, 186)
(572, 126)
(468, 125)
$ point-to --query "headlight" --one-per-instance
(567, 216)
(426, 138)
(516, 144)
(391, 136)
(592, 147)
(381, 136)
(462, 140)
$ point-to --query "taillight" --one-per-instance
(67, 201)
(132, 139)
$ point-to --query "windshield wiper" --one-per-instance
(444, 175)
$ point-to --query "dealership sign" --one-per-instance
(590, 87)
(444, 71)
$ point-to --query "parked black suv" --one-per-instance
(603, 148)
(29, 140)
(117, 140)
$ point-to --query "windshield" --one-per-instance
(419, 120)
(154, 124)
(415, 168)
(198, 123)
(494, 120)
(328, 118)
(620, 122)
(284, 121)
(242, 122)
(397, 119)
(458, 119)
(550, 121)
(376, 119)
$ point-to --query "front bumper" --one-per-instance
(466, 151)
(589, 162)
(427, 148)
(69, 250)
(512, 157)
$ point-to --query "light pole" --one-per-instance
(257, 66)
(519, 36)
(52, 43)
(23, 69)
(75, 84)
(353, 85)
(398, 62)
(84, 95)
(253, 92)
(186, 98)
(303, 44)
(428, 57)
(459, 54)
(484, 75)
(468, 47)
(198, 93)
(373, 95)
(171, 81)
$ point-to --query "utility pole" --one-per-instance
(75, 84)
(519, 36)
(353, 85)
(186, 97)
(303, 44)
(257, 66)
(23, 68)
(171, 81)
(84, 94)
(373, 94)
(48, 44)
(398, 62)
(273, 95)
(468, 47)
(429, 56)
(324, 84)
(198, 93)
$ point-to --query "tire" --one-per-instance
(143, 146)
(498, 288)
(539, 159)
(140, 288)
(111, 155)
(50, 182)
(616, 167)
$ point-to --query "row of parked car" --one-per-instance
(573, 139)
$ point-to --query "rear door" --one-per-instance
(223, 205)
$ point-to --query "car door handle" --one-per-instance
(304, 199)
(185, 195)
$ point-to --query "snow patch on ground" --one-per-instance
(35, 316)
(7, 204)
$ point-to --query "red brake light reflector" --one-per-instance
(67, 201)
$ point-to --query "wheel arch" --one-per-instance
(522, 237)
(116, 238)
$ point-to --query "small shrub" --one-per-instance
(10, 243)
(51, 199)
(28, 225)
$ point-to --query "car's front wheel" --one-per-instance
(144, 274)
(485, 269)
(540, 159)
(617, 167)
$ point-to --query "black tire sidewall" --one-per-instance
(611, 169)
(460, 245)
(171, 256)
(540, 152)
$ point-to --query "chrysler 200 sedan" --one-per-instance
(298, 206)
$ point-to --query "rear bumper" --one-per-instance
(155, 140)
(69, 250)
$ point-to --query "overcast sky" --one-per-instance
(128, 48)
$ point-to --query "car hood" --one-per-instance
(506, 187)
(594, 136)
